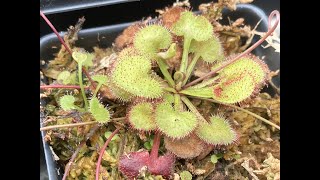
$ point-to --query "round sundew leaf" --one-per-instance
(133, 75)
(210, 50)
(150, 39)
(79, 56)
(248, 64)
(98, 111)
(128, 51)
(234, 89)
(63, 77)
(140, 117)
(174, 124)
(217, 132)
(188, 147)
(185, 175)
(67, 102)
(88, 62)
(194, 27)
(83, 58)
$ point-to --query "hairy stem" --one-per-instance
(58, 86)
(192, 108)
(103, 150)
(177, 103)
(270, 31)
(64, 44)
(170, 89)
(97, 90)
(184, 61)
(246, 111)
(73, 157)
(155, 146)
(206, 83)
(82, 87)
(191, 67)
(165, 72)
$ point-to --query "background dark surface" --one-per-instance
(115, 14)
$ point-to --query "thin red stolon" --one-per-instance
(102, 152)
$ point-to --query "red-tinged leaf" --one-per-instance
(131, 164)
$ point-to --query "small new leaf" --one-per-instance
(83, 58)
(98, 111)
(217, 131)
(174, 124)
(193, 27)
(150, 39)
(210, 50)
(169, 53)
(67, 102)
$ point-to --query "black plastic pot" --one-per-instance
(59, 6)
(104, 37)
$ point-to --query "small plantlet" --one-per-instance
(185, 175)
(67, 102)
(217, 131)
(173, 123)
(83, 59)
(151, 39)
(98, 111)
(141, 118)
(214, 158)
(65, 77)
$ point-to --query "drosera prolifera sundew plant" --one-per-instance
(152, 78)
